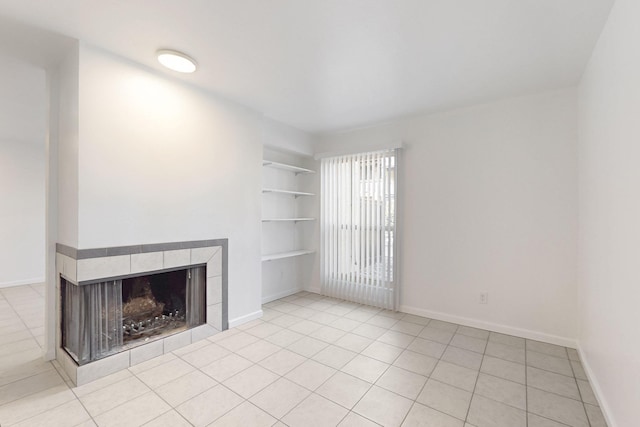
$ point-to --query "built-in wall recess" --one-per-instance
(289, 218)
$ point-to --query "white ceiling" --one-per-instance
(323, 65)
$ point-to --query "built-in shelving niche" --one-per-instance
(289, 224)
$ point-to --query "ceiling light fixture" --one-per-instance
(176, 61)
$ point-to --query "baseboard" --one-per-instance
(495, 327)
(269, 298)
(22, 282)
(244, 319)
(597, 390)
(314, 291)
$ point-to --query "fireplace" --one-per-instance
(104, 318)
(120, 306)
(160, 304)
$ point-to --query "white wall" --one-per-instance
(65, 111)
(489, 204)
(278, 136)
(22, 172)
(609, 183)
(160, 161)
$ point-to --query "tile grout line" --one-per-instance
(192, 397)
(358, 353)
(47, 410)
(29, 375)
(552, 420)
(282, 376)
(415, 337)
(22, 320)
(584, 408)
(172, 408)
(339, 370)
(475, 385)
(17, 314)
(428, 376)
(165, 413)
(83, 406)
(526, 385)
(404, 349)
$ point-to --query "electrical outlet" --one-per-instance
(484, 298)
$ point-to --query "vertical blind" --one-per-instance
(358, 228)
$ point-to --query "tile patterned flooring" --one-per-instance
(310, 361)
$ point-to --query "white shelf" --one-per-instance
(284, 166)
(287, 219)
(287, 192)
(282, 255)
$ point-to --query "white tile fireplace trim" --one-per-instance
(90, 270)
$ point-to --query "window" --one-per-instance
(359, 227)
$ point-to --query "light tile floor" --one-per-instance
(310, 361)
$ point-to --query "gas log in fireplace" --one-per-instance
(104, 318)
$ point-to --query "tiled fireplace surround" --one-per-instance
(85, 266)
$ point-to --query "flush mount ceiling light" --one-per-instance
(176, 61)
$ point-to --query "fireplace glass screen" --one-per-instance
(104, 318)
